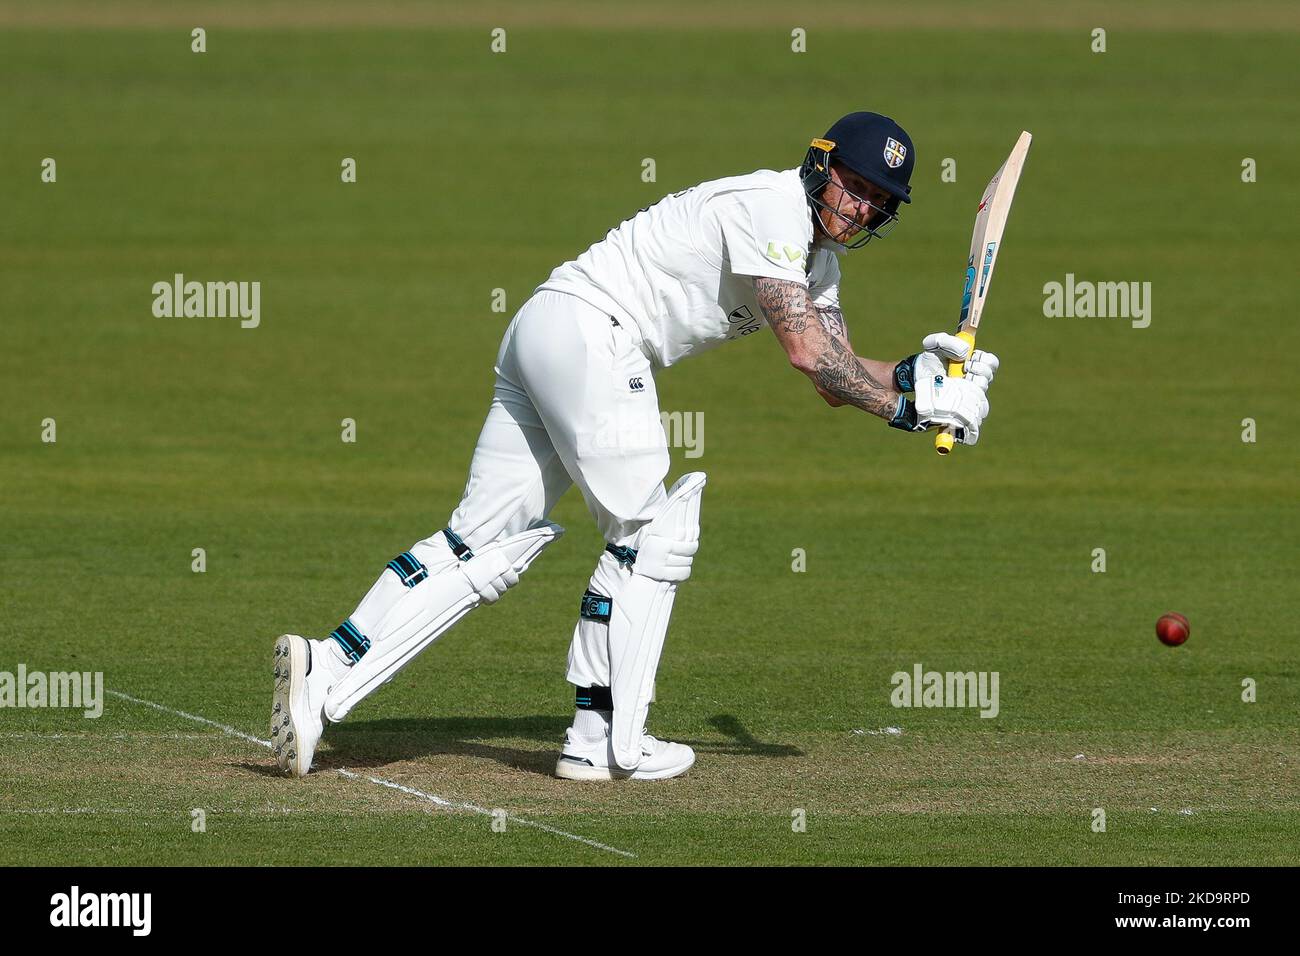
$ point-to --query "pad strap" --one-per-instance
(594, 698)
(354, 643)
(457, 545)
(626, 556)
(596, 607)
(408, 569)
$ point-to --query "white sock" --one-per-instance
(592, 723)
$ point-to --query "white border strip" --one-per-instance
(432, 798)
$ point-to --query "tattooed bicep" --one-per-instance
(785, 303)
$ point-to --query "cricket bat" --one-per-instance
(985, 241)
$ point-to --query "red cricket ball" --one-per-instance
(1173, 629)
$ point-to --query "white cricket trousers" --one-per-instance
(574, 403)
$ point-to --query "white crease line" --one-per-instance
(142, 735)
(197, 719)
(225, 729)
(62, 810)
(58, 811)
(477, 809)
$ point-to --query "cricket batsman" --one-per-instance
(574, 402)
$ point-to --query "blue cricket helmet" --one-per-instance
(877, 149)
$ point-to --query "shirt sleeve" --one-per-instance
(824, 279)
(764, 236)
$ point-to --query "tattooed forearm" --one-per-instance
(842, 374)
(833, 322)
(816, 342)
(784, 303)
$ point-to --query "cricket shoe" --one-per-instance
(592, 758)
(298, 705)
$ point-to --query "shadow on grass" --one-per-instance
(376, 743)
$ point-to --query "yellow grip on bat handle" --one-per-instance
(944, 441)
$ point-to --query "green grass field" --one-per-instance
(479, 171)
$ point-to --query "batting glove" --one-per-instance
(959, 403)
(940, 349)
(926, 374)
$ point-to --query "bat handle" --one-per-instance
(944, 441)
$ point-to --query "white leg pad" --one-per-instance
(431, 607)
(639, 618)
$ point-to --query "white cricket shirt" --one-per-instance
(680, 271)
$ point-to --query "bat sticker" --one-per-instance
(988, 266)
(965, 292)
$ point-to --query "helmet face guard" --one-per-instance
(816, 175)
